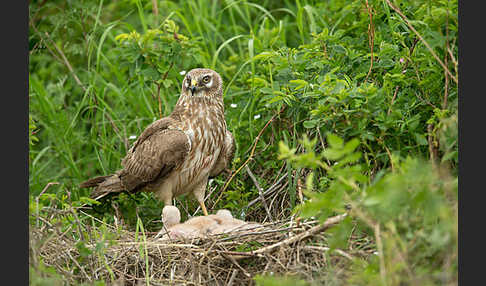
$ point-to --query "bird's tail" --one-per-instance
(103, 185)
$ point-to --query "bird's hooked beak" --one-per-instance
(193, 86)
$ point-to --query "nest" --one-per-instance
(129, 258)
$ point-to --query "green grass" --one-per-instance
(308, 58)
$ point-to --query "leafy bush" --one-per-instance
(411, 211)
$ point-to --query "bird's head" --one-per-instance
(224, 214)
(170, 216)
(202, 82)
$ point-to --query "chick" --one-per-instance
(195, 227)
(229, 223)
(171, 218)
(200, 226)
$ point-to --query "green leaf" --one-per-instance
(264, 56)
(420, 139)
(334, 141)
(351, 145)
(167, 83)
(299, 82)
(82, 249)
(310, 123)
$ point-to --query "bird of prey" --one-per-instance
(178, 153)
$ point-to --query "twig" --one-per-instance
(37, 198)
(403, 70)
(389, 155)
(256, 233)
(422, 39)
(316, 229)
(425, 100)
(164, 77)
(268, 191)
(393, 99)
(155, 10)
(159, 100)
(66, 62)
(43, 40)
(238, 253)
(68, 65)
(260, 192)
(230, 258)
(117, 131)
(454, 61)
(79, 266)
(301, 198)
(379, 245)
(251, 154)
(81, 235)
(430, 141)
(446, 55)
(232, 279)
(371, 38)
(323, 248)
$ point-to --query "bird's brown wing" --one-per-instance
(155, 126)
(155, 153)
(225, 156)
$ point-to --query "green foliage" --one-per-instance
(359, 129)
(414, 205)
(150, 56)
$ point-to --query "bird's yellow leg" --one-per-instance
(198, 193)
(203, 207)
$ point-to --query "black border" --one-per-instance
(15, 145)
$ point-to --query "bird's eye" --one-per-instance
(206, 79)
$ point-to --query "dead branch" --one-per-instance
(317, 229)
(260, 192)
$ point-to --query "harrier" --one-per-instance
(179, 153)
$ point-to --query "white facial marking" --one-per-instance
(210, 83)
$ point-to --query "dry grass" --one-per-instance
(130, 258)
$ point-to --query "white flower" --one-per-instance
(375, 252)
(257, 116)
(233, 105)
(132, 137)
(182, 72)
